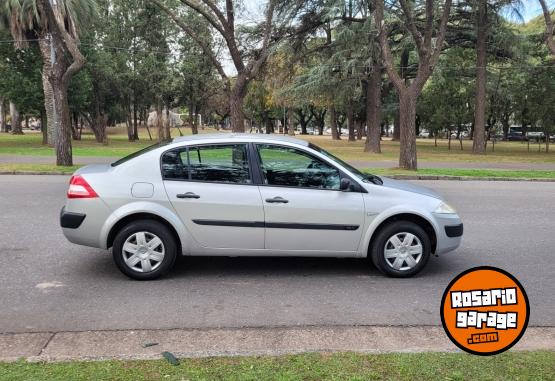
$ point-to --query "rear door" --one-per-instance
(304, 209)
(211, 188)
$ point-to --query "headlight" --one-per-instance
(444, 208)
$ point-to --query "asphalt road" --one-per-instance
(48, 284)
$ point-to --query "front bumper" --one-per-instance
(449, 232)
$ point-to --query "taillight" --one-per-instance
(79, 188)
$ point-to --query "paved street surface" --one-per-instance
(48, 284)
(83, 160)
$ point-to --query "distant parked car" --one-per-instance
(252, 195)
(515, 136)
(535, 135)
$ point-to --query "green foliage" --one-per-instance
(20, 77)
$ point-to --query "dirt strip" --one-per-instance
(148, 344)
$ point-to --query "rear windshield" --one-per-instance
(140, 152)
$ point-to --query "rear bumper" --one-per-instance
(71, 220)
(82, 221)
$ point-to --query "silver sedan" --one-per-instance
(252, 195)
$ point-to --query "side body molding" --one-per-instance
(152, 208)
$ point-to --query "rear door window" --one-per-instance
(220, 163)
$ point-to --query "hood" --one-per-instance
(408, 187)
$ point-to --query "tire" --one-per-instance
(139, 255)
(393, 259)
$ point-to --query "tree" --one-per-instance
(248, 51)
(428, 52)
(549, 26)
(60, 25)
(20, 82)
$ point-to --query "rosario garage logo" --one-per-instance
(484, 310)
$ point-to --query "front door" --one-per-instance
(211, 188)
(304, 208)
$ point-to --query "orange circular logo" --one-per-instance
(485, 310)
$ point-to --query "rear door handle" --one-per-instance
(277, 200)
(188, 195)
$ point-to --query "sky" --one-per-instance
(532, 8)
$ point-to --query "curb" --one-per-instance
(149, 344)
(396, 177)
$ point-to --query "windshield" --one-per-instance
(140, 152)
(366, 177)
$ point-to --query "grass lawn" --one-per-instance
(538, 365)
(486, 173)
(506, 152)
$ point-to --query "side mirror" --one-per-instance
(345, 185)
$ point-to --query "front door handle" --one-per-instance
(188, 195)
(277, 200)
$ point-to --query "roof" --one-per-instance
(249, 137)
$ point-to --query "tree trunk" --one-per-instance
(304, 122)
(2, 115)
(192, 118)
(159, 121)
(69, 61)
(351, 123)
(268, 124)
(479, 143)
(333, 124)
(396, 125)
(46, 53)
(98, 126)
(75, 127)
(194, 126)
(236, 100)
(129, 123)
(373, 110)
(64, 154)
(43, 127)
(506, 125)
(15, 119)
(99, 121)
(360, 129)
(167, 124)
(407, 120)
(135, 126)
(290, 122)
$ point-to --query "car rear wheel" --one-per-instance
(144, 250)
(401, 249)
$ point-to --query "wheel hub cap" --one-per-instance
(143, 252)
(403, 251)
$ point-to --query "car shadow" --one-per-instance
(218, 267)
(271, 266)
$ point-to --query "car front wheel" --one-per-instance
(401, 249)
(144, 250)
